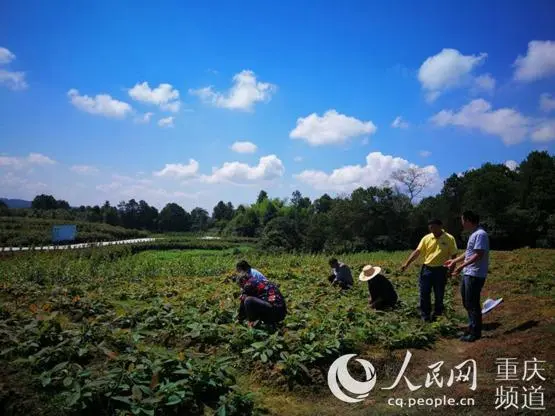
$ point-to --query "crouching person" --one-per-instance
(341, 274)
(381, 290)
(261, 299)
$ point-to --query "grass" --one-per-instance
(154, 332)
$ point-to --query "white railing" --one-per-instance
(77, 246)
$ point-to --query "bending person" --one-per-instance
(261, 299)
(381, 290)
(341, 274)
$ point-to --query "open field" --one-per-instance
(105, 331)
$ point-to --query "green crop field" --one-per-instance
(108, 332)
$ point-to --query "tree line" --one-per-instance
(517, 207)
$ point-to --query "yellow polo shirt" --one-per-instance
(436, 251)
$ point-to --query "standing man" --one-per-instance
(475, 271)
(435, 248)
(341, 274)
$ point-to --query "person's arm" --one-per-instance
(478, 254)
(413, 256)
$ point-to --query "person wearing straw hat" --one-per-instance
(381, 290)
(435, 248)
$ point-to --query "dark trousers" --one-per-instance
(471, 286)
(432, 278)
(255, 309)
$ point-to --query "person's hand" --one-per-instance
(449, 264)
(457, 270)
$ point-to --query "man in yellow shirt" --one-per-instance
(435, 248)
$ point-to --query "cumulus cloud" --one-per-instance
(538, 63)
(165, 96)
(376, 172)
(6, 56)
(268, 168)
(399, 123)
(101, 104)
(33, 159)
(84, 169)
(14, 80)
(450, 69)
(20, 185)
(425, 153)
(144, 118)
(243, 95)
(331, 128)
(484, 82)
(178, 170)
(506, 123)
(166, 122)
(244, 147)
(547, 103)
(511, 164)
(544, 131)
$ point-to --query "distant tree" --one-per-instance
(322, 204)
(109, 214)
(4, 210)
(270, 213)
(414, 179)
(200, 220)
(61, 204)
(280, 233)
(174, 218)
(262, 196)
(147, 216)
(222, 211)
(298, 201)
(44, 202)
(244, 223)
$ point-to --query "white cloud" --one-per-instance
(538, 63)
(547, 103)
(484, 82)
(172, 107)
(449, 69)
(16, 184)
(144, 119)
(331, 128)
(166, 122)
(178, 170)
(13, 80)
(376, 172)
(506, 123)
(399, 123)
(101, 104)
(511, 164)
(165, 96)
(84, 169)
(6, 56)
(243, 147)
(243, 95)
(268, 168)
(22, 162)
(298, 159)
(544, 131)
(425, 153)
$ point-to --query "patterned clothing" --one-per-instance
(263, 289)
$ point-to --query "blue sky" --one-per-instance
(120, 100)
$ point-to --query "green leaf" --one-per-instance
(59, 366)
(173, 400)
(264, 357)
(73, 399)
(68, 381)
(46, 381)
(222, 411)
(137, 392)
(122, 399)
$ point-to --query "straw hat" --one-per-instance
(369, 272)
(489, 304)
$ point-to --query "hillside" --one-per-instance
(16, 203)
